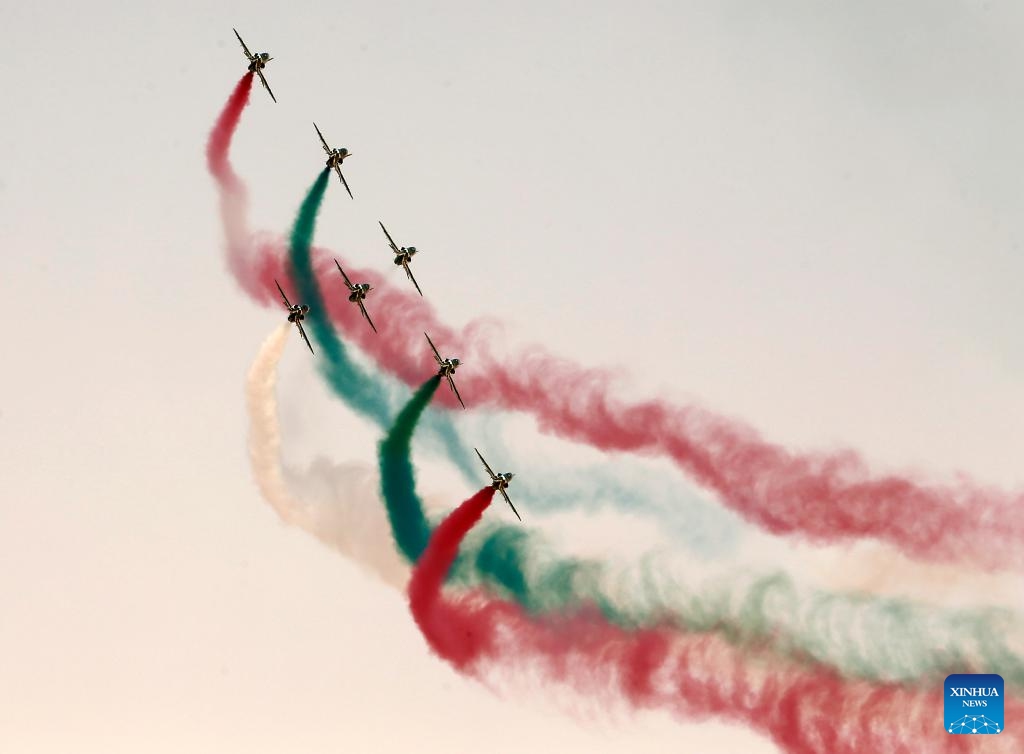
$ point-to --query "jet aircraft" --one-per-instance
(447, 368)
(357, 294)
(334, 159)
(257, 63)
(500, 482)
(403, 255)
(296, 313)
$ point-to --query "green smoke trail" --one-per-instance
(501, 556)
(879, 639)
(375, 398)
(367, 396)
(860, 635)
(409, 524)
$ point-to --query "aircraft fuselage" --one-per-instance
(501, 483)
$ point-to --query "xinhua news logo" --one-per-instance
(974, 704)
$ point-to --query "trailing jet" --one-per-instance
(334, 159)
(403, 255)
(296, 313)
(257, 63)
(357, 294)
(447, 368)
(500, 482)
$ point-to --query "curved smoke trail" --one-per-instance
(825, 497)
(769, 605)
(264, 437)
(370, 396)
(348, 515)
(873, 638)
(859, 635)
(804, 710)
(367, 396)
(254, 261)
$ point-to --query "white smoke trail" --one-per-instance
(341, 504)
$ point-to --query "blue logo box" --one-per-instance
(974, 704)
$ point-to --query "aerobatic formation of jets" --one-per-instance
(357, 292)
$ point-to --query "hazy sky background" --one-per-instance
(806, 216)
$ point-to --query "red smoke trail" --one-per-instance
(249, 257)
(825, 497)
(697, 676)
(220, 137)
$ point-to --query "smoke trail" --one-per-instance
(365, 395)
(347, 515)
(251, 257)
(264, 438)
(859, 635)
(409, 524)
(255, 261)
(219, 143)
(803, 710)
(454, 640)
(706, 530)
(505, 559)
(825, 497)
(234, 200)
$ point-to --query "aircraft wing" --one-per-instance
(451, 383)
(266, 85)
(303, 334)
(394, 246)
(347, 281)
(509, 501)
(363, 310)
(409, 273)
(344, 183)
(244, 48)
(433, 348)
(286, 301)
(486, 466)
(322, 141)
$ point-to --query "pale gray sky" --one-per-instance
(807, 216)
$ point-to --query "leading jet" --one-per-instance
(447, 368)
(296, 313)
(500, 482)
(357, 293)
(403, 255)
(334, 159)
(257, 63)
